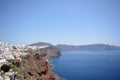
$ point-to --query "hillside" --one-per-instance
(27, 62)
(50, 49)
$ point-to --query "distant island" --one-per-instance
(91, 47)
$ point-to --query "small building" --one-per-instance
(3, 61)
(9, 56)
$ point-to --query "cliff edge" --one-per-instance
(27, 62)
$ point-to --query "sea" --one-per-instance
(87, 65)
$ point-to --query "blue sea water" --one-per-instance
(88, 65)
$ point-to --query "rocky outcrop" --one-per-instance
(52, 51)
(35, 66)
(48, 48)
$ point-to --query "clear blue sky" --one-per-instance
(60, 21)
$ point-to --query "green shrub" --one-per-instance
(5, 67)
(11, 66)
(20, 77)
(10, 60)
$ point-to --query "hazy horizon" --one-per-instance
(62, 44)
(72, 22)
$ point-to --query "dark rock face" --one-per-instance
(37, 57)
(52, 51)
(16, 63)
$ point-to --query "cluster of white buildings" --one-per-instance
(37, 47)
(9, 51)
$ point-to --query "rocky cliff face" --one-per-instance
(35, 66)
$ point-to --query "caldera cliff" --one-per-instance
(29, 62)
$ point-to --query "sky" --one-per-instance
(77, 22)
